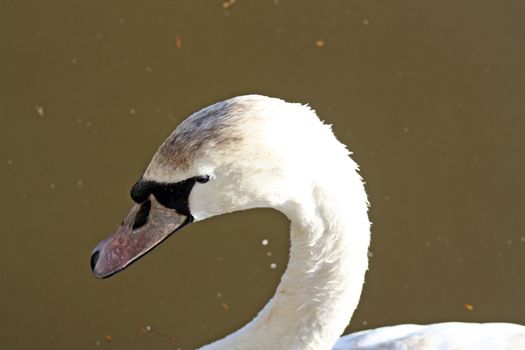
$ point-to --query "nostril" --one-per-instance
(94, 259)
(142, 215)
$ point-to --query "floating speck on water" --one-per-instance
(149, 69)
(52, 186)
(268, 254)
(365, 323)
(273, 265)
(228, 3)
(79, 120)
(97, 343)
(225, 306)
(147, 329)
(40, 110)
(405, 130)
(219, 295)
(122, 21)
(427, 244)
(522, 239)
(509, 242)
(370, 254)
(265, 242)
(88, 124)
(178, 42)
(132, 111)
(74, 60)
(219, 258)
(9, 162)
(80, 183)
(366, 21)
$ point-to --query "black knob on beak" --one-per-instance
(94, 259)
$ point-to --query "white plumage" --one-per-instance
(439, 336)
(258, 151)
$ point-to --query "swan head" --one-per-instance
(245, 152)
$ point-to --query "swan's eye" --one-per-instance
(142, 215)
(202, 179)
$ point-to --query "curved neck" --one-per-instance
(320, 289)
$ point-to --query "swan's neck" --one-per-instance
(320, 289)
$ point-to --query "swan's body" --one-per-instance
(439, 336)
(255, 151)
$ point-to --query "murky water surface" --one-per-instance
(429, 96)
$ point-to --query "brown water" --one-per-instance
(430, 97)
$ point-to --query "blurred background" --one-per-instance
(428, 95)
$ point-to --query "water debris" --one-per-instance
(40, 110)
(108, 338)
(225, 306)
(219, 295)
(52, 186)
(265, 242)
(9, 162)
(149, 69)
(320, 43)
(273, 266)
(149, 330)
(74, 60)
(178, 42)
(468, 307)
(87, 124)
(80, 183)
(146, 329)
(366, 21)
(268, 254)
(228, 3)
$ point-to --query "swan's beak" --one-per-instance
(146, 225)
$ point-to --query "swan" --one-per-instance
(255, 151)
